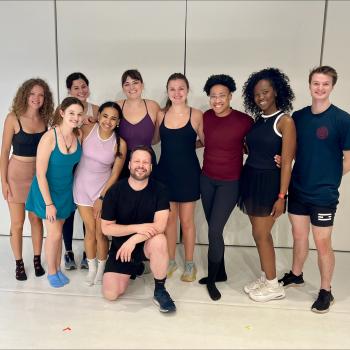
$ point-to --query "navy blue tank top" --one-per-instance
(264, 141)
(25, 144)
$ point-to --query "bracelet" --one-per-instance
(47, 205)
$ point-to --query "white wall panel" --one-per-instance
(27, 38)
(108, 37)
(104, 38)
(337, 54)
(238, 38)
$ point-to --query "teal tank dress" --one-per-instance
(60, 179)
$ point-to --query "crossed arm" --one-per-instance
(139, 232)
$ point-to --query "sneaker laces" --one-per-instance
(188, 268)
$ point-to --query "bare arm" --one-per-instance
(287, 129)
(45, 148)
(7, 136)
(111, 228)
(346, 162)
(159, 119)
(160, 221)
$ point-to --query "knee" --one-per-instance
(262, 237)
(300, 235)
(323, 246)
(188, 225)
(17, 227)
(158, 244)
(34, 220)
(109, 294)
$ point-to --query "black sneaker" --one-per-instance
(291, 280)
(163, 301)
(324, 301)
(69, 262)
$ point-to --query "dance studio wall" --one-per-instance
(104, 38)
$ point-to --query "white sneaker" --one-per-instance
(100, 271)
(267, 292)
(90, 278)
(255, 284)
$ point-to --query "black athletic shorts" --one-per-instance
(134, 268)
(319, 216)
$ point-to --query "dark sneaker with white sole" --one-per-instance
(162, 299)
(69, 262)
(324, 301)
(291, 280)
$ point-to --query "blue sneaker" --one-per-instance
(162, 299)
(63, 278)
(55, 281)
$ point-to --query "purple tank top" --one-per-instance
(137, 134)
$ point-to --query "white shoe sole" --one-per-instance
(264, 299)
(160, 309)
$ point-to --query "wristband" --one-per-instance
(47, 205)
(282, 196)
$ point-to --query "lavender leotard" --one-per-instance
(137, 134)
(94, 169)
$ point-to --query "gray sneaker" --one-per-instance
(69, 262)
(84, 263)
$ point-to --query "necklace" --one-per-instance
(65, 143)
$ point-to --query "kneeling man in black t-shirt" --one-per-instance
(135, 213)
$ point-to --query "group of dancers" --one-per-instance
(100, 160)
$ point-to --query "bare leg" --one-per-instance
(262, 235)
(102, 242)
(17, 215)
(325, 254)
(90, 242)
(186, 214)
(171, 229)
(156, 250)
(37, 232)
(300, 230)
(114, 285)
(52, 243)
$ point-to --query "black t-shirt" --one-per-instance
(127, 206)
(318, 168)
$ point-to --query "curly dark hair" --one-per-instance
(20, 101)
(279, 82)
(219, 79)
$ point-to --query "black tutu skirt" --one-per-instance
(259, 189)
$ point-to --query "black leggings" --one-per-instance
(219, 198)
(67, 232)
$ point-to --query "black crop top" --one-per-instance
(25, 144)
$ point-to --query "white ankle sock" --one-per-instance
(272, 283)
(100, 270)
(92, 271)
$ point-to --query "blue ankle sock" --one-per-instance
(55, 281)
(63, 278)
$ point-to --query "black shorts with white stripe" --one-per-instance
(319, 216)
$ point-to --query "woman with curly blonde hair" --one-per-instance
(31, 111)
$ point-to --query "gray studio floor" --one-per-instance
(33, 315)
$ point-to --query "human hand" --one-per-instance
(278, 160)
(124, 252)
(148, 230)
(97, 207)
(278, 208)
(51, 213)
(6, 192)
